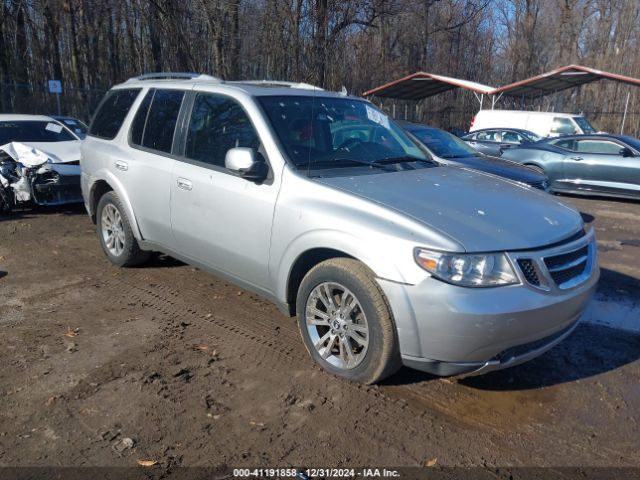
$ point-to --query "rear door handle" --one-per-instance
(120, 165)
(577, 159)
(185, 184)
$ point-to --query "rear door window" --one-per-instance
(155, 122)
(112, 112)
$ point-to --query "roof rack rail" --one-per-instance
(279, 83)
(173, 76)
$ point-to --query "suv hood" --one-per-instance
(498, 166)
(480, 212)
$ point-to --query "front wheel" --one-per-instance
(346, 323)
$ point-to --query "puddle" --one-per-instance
(622, 313)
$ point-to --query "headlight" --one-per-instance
(468, 270)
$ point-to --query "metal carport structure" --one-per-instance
(420, 85)
(570, 76)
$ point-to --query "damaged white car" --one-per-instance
(39, 162)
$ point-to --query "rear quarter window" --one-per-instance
(112, 112)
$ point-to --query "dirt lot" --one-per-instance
(106, 366)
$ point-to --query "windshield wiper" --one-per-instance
(340, 162)
(400, 159)
(459, 156)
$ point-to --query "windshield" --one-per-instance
(76, 126)
(584, 125)
(33, 131)
(322, 132)
(443, 144)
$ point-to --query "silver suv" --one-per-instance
(321, 203)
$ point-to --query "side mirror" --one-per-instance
(246, 163)
(626, 152)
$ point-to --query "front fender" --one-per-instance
(354, 246)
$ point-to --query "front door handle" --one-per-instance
(577, 159)
(185, 184)
(120, 165)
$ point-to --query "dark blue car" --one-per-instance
(451, 150)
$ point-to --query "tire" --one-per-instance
(121, 247)
(364, 327)
(6, 200)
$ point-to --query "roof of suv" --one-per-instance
(254, 88)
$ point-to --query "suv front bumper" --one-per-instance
(450, 330)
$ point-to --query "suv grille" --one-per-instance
(567, 266)
(561, 268)
(529, 271)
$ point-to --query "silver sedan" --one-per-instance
(585, 164)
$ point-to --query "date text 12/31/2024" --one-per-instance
(311, 473)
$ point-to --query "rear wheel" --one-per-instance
(346, 323)
(116, 236)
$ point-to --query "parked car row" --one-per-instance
(385, 244)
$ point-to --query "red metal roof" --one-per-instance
(566, 77)
(420, 85)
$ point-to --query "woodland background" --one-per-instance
(92, 44)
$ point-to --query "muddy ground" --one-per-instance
(107, 366)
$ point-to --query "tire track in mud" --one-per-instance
(265, 326)
(261, 335)
(240, 334)
(263, 319)
(257, 342)
(255, 319)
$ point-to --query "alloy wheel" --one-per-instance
(337, 325)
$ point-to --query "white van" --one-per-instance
(545, 124)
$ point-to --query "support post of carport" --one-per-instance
(624, 116)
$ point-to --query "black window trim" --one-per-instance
(103, 101)
(179, 153)
(172, 154)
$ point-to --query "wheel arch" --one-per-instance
(314, 247)
(109, 183)
(302, 265)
